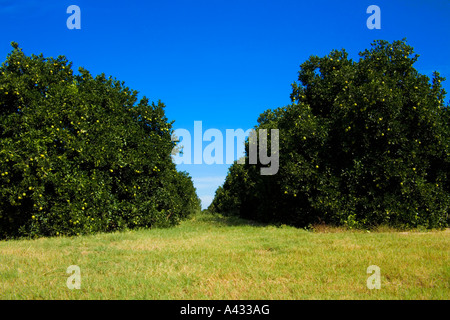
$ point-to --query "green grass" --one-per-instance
(212, 257)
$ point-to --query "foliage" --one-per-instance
(363, 143)
(79, 154)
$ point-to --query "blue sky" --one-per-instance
(222, 62)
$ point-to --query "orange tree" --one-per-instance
(363, 143)
(79, 154)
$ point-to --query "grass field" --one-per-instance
(212, 257)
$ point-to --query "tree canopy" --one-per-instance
(79, 154)
(363, 143)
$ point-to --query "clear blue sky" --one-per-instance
(222, 62)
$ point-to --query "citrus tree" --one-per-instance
(79, 154)
(363, 143)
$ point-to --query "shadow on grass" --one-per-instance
(221, 220)
(226, 221)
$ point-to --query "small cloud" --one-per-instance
(207, 187)
(206, 201)
(215, 180)
(208, 182)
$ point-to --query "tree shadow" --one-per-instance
(227, 220)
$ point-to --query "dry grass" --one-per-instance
(211, 257)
